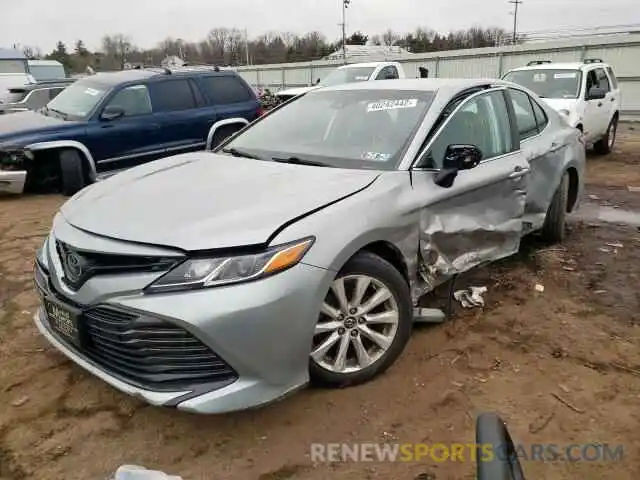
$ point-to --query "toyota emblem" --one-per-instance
(73, 266)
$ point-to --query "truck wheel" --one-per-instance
(605, 144)
(553, 229)
(72, 176)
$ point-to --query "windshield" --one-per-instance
(347, 75)
(13, 66)
(362, 129)
(47, 72)
(548, 83)
(78, 100)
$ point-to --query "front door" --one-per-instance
(479, 218)
(130, 139)
(595, 113)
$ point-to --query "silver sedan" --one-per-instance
(299, 248)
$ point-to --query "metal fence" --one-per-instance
(621, 51)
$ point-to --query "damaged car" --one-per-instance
(297, 250)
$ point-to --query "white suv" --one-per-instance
(587, 94)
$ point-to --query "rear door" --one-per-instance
(184, 115)
(608, 107)
(129, 140)
(479, 218)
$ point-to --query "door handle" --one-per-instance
(613, 99)
(599, 104)
(518, 172)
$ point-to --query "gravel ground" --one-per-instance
(561, 366)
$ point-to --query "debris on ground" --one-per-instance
(471, 297)
(135, 472)
(539, 287)
(20, 401)
(633, 189)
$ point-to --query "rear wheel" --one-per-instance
(71, 173)
(606, 143)
(364, 324)
(554, 228)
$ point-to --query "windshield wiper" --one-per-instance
(240, 153)
(62, 114)
(300, 161)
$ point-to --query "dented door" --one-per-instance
(479, 218)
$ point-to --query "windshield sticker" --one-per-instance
(565, 75)
(361, 78)
(92, 92)
(540, 77)
(392, 104)
(376, 157)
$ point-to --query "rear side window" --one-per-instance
(612, 76)
(172, 95)
(525, 117)
(603, 80)
(226, 89)
(541, 116)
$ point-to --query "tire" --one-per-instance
(71, 172)
(605, 144)
(491, 431)
(384, 278)
(554, 230)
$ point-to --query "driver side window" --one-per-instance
(388, 73)
(133, 100)
(483, 122)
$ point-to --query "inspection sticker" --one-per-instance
(92, 92)
(376, 157)
(565, 75)
(392, 104)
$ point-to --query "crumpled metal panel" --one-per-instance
(466, 231)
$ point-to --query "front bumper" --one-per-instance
(12, 181)
(262, 330)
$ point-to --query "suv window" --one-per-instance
(612, 76)
(134, 100)
(483, 121)
(226, 89)
(172, 95)
(603, 80)
(388, 73)
(525, 118)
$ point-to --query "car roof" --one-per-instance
(561, 66)
(365, 65)
(445, 85)
(136, 75)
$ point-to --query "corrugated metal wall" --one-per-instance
(621, 51)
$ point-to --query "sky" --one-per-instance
(41, 23)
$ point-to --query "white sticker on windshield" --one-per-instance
(392, 104)
(565, 75)
(361, 79)
(376, 157)
(92, 92)
(539, 77)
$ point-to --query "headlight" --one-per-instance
(216, 271)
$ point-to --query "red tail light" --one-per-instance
(261, 112)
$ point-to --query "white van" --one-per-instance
(14, 70)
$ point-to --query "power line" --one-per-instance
(515, 18)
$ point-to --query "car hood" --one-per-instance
(24, 122)
(296, 91)
(204, 201)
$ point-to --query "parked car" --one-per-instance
(14, 70)
(108, 122)
(46, 70)
(298, 249)
(354, 72)
(32, 96)
(587, 94)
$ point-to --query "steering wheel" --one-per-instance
(503, 464)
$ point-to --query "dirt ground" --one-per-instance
(561, 366)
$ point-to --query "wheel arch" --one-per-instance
(88, 161)
(574, 187)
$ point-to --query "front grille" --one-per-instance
(80, 265)
(150, 352)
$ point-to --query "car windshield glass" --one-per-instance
(347, 75)
(12, 96)
(362, 129)
(78, 100)
(47, 72)
(13, 66)
(548, 83)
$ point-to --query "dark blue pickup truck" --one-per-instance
(112, 121)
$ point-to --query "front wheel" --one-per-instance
(364, 324)
(554, 228)
(71, 173)
(606, 143)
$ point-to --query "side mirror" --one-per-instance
(424, 72)
(112, 112)
(456, 158)
(318, 82)
(596, 93)
(496, 454)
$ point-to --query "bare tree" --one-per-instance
(117, 47)
(390, 38)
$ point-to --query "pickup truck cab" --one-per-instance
(586, 94)
(355, 72)
(109, 122)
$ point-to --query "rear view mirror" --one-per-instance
(456, 158)
(492, 435)
(111, 113)
(596, 93)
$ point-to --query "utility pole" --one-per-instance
(515, 18)
(246, 44)
(345, 5)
